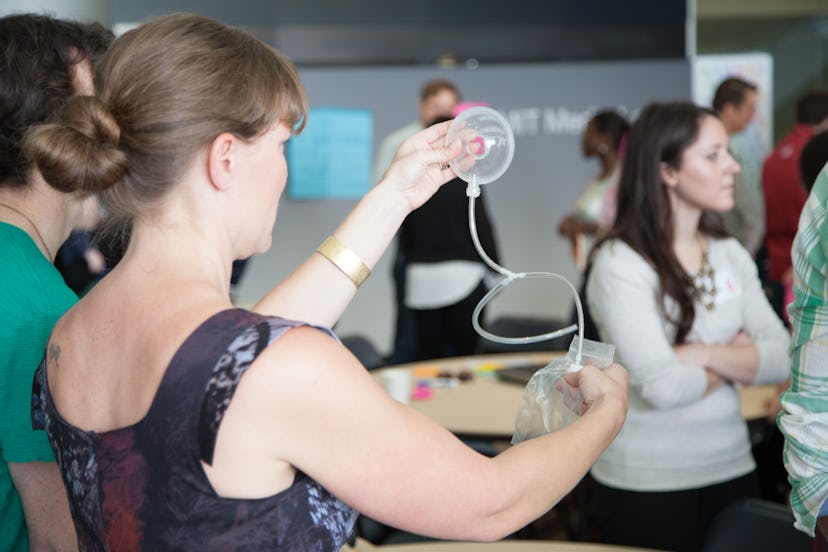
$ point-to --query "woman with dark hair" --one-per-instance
(683, 305)
(594, 211)
(43, 62)
(182, 423)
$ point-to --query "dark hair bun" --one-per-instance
(79, 152)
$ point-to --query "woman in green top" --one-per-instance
(43, 61)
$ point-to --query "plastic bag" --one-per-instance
(549, 403)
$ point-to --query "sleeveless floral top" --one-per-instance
(143, 488)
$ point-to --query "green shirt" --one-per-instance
(804, 416)
(33, 296)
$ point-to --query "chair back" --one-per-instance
(362, 348)
(516, 326)
(755, 525)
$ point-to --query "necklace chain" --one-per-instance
(33, 225)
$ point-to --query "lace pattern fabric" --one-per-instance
(142, 487)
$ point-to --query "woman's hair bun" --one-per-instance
(79, 152)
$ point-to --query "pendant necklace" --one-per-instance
(34, 227)
(704, 283)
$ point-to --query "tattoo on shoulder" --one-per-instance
(54, 352)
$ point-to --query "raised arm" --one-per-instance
(326, 416)
(318, 292)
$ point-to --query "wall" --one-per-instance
(83, 10)
(367, 32)
(798, 46)
(547, 104)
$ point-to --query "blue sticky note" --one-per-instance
(332, 156)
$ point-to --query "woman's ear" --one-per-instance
(221, 160)
(669, 175)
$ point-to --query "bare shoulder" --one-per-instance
(285, 402)
(107, 357)
(306, 357)
(308, 376)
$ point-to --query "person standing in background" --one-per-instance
(605, 138)
(735, 102)
(594, 211)
(79, 260)
(438, 98)
(445, 277)
(683, 305)
(785, 195)
(43, 63)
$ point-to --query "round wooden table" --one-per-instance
(486, 406)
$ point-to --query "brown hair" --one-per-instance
(168, 88)
(434, 87)
(661, 134)
(612, 123)
(732, 90)
(38, 55)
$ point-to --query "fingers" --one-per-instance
(439, 156)
(573, 378)
(615, 372)
(435, 132)
(446, 173)
(422, 164)
(618, 374)
(714, 381)
(431, 137)
(430, 148)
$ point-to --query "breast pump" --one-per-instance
(487, 148)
